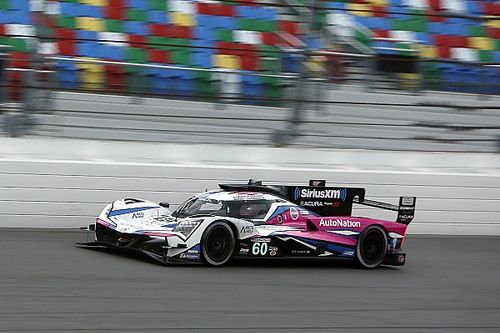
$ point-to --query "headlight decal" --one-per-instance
(188, 226)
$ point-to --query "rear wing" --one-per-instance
(405, 209)
(327, 201)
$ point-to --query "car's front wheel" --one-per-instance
(217, 244)
(371, 248)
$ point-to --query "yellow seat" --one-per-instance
(182, 19)
(378, 2)
(100, 3)
(409, 80)
(493, 23)
(482, 43)
(428, 51)
(92, 75)
(359, 9)
(90, 23)
(227, 61)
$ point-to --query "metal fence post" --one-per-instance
(3, 76)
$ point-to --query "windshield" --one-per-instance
(242, 209)
(201, 207)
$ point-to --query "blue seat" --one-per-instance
(202, 59)
(269, 14)
(204, 33)
(435, 28)
(138, 4)
(157, 16)
(68, 8)
(386, 46)
(424, 38)
(91, 11)
(337, 5)
(291, 62)
(19, 17)
(227, 22)
(246, 11)
(201, 20)
(381, 23)
(20, 5)
(67, 74)
(474, 7)
(119, 53)
(86, 35)
(313, 42)
(136, 28)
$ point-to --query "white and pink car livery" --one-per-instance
(254, 220)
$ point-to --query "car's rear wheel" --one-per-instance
(217, 244)
(371, 248)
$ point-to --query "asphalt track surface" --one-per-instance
(47, 284)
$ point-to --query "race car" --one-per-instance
(254, 220)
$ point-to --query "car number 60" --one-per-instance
(259, 248)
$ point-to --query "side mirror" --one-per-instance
(164, 204)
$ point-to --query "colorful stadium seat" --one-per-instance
(244, 37)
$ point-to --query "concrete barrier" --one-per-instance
(65, 183)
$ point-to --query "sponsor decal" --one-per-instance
(193, 254)
(307, 193)
(244, 251)
(248, 229)
(407, 201)
(343, 223)
(311, 204)
(261, 240)
(401, 258)
(304, 212)
(280, 219)
(301, 251)
(273, 251)
(405, 217)
(248, 196)
(294, 213)
(348, 253)
(138, 215)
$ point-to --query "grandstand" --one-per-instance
(205, 48)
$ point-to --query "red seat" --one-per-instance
(66, 47)
(115, 77)
(290, 27)
(114, 12)
(379, 11)
(19, 60)
(157, 29)
(137, 41)
(225, 10)
(203, 8)
(381, 33)
(435, 5)
(444, 52)
(248, 63)
(269, 38)
(160, 56)
(14, 85)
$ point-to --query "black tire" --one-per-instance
(371, 248)
(217, 244)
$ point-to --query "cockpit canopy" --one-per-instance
(243, 205)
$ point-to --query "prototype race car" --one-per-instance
(256, 220)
